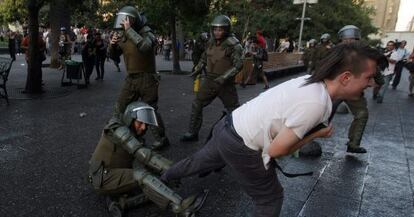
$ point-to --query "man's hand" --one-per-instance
(196, 71)
(115, 39)
(126, 23)
(325, 132)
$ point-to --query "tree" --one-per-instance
(34, 65)
(13, 10)
(277, 17)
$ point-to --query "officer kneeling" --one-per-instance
(122, 164)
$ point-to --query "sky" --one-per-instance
(405, 14)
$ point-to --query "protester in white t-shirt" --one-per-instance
(393, 57)
(279, 122)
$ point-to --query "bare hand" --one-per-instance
(126, 23)
(114, 39)
(325, 132)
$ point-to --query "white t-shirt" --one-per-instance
(391, 66)
(291, 104)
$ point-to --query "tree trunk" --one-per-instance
(180, 37)
(34, 65)
(59, 16)
(176, 60)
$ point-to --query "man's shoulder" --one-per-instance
(231, 41)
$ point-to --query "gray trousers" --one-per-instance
(227, 148)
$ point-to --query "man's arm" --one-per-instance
(200, 65)
(144, 42)
(286, 141)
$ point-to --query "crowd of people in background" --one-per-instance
(92, 43)
(397, 59)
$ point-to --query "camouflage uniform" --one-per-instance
(121, 164)
(142, 81)
(222, 61)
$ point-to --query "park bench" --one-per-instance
(5, 67)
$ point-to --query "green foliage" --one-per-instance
(278, 18)
(13, 10)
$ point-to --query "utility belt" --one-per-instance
(140, 75)
(143, 75)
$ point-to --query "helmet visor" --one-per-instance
(354, 34)
(146, 115)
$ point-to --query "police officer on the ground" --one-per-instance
(136, 41)
(358, 108)
(222, 60)
(122, 164)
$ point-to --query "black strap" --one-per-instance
(291, 175)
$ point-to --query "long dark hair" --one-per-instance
(344, 57)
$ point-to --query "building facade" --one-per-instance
(386, 13)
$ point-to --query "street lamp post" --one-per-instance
(302, 20)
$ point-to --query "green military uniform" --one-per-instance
(309, 58)
(321, 51)
(121, 163)
(359, 108)
(142, 80)
(222, 61)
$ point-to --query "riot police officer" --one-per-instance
(358, 108)
(222, 60)
(322, 48)
(121, 164)
(308, 56)
(136, 41)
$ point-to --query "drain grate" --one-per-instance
(50, 92)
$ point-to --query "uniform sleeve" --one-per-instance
(303, 117)
(144, 42)
(236, 57)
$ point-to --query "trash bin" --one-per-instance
(74, 71)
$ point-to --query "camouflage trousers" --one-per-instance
(359, 110)
(144, 87)
(208, 91)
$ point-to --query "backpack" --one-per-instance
(265, 56)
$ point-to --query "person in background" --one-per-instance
(393, 57)
(399, 66)
(259, 55)
(101, 50)
(12, 45)
(88, 56)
